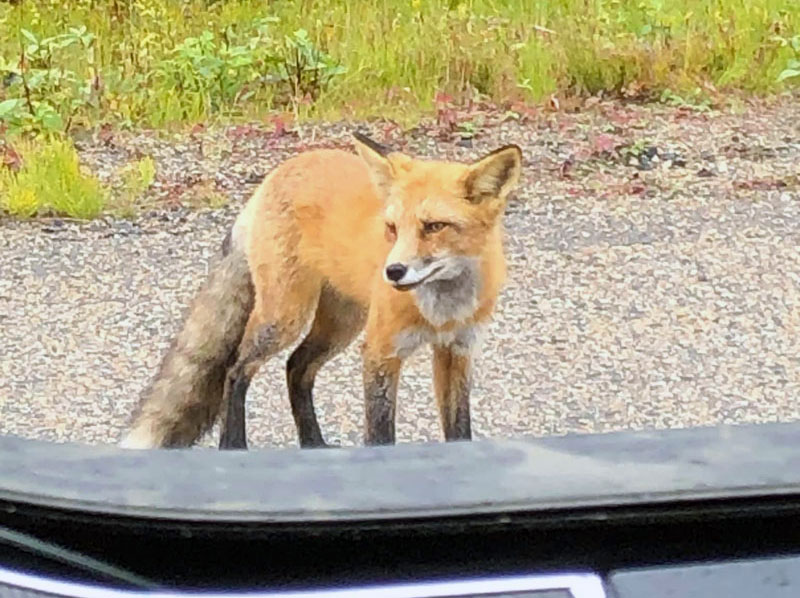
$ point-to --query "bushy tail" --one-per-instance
(185, 397)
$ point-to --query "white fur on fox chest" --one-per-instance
(450, 299)
(462, 341)
(443, 301)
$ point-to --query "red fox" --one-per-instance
(411, 249)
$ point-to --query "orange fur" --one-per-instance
(411, 248)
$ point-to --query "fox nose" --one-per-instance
(395, 272)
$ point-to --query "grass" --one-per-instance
(44, 178)
(49, 181)
(174, 63)
(163, 62)
(136, 177)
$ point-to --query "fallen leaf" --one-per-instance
(603, 143)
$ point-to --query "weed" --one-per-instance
(156, 62)
(306, 69)
(694, 100)
(48, 93)
(49, 180)
(792, 70)
(209, 74)
(136, 178)
(205, 194)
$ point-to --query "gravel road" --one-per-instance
(654, 281)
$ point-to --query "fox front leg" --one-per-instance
(380, 395)
(452, 382)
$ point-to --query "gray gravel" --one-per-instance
(641, 295)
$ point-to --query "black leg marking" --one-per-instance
(336, 323)
(300, 375)
(233, 434)
(381, 394)
(460, 428)
(453, 384)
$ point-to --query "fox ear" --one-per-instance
(494, 175)
(376, 156)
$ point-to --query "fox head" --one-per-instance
(438, 215)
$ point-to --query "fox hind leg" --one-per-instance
(255, 349)
(337, 322)
(274, 325)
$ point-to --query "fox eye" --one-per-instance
(433, 227)
(391, 231)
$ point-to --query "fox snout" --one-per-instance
(406, 276)
(403, 276)
(395, 272)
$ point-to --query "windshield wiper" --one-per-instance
(77, 560)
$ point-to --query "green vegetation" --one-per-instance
(174, 63)
(49, 181)
(161, 62)
(43, 177)
(136, 179)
